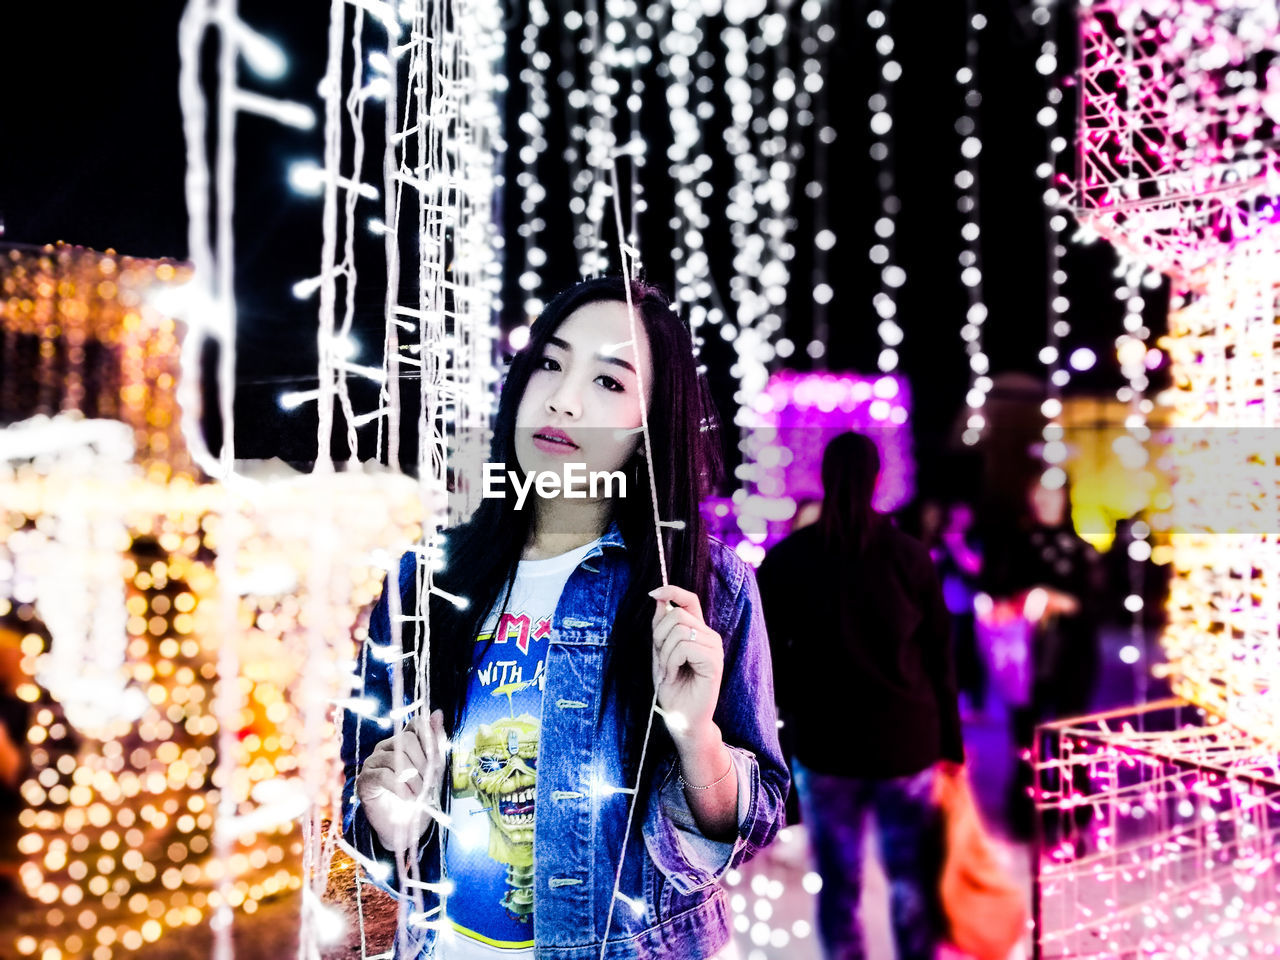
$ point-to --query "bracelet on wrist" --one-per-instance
(719, 779)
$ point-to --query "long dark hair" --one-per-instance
(850, 468)
(481, 555)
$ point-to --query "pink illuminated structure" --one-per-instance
(1158, 825)
(1179, 105)
(1160, 837)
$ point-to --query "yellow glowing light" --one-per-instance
(130, 792)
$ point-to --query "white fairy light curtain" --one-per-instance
(717, 119)
(237, 597)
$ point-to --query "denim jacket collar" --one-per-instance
(612, 537)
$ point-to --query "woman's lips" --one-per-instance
(556, 447)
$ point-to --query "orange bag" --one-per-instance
(984, 907)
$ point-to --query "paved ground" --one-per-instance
(788, 861)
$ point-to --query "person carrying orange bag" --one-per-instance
(984, 907)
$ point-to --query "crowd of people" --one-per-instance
(883, 641)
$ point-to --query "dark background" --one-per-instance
(92, 153)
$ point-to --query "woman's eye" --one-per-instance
(610, 384)
(548, 363)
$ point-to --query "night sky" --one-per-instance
(92, 152)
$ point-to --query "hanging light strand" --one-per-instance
(532, 123)
(892, 276)
(439, 170)
(970, 232)
(762, 94)
(684, 64)
(811, 103)
(1044, 16)
(1136, 360)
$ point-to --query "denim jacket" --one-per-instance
(676, 908)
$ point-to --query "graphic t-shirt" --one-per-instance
(489, 850)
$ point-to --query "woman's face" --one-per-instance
(583, 388)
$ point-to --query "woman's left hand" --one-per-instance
(688, 662)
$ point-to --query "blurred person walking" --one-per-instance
(1038, 568)
(959, 565)
(865, 681)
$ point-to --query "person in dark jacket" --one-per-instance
(865, 682)
(1041, 568)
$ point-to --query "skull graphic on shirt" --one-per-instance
(501, 769)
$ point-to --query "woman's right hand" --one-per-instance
(400, 797)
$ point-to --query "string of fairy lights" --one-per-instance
(966, 180)
(532, 123)
(691, 110)
(1044, 14)
(334, 345)
(576, 101)
(892, 275)
(445, 171)
(1135, 359)
(603, 36)
(757, 200)
(211, 246)
(812, 118)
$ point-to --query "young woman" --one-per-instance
(540, 687)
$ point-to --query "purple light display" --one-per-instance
(791, 422)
